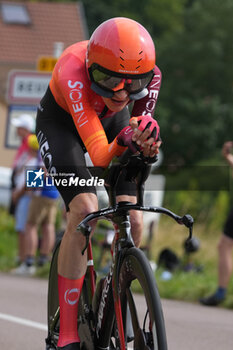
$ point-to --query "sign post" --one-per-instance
(26, 87)
(24, 92)
(46, 63)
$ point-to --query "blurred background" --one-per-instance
(193, 41)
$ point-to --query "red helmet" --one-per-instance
(121, 47)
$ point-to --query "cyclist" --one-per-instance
(85, 109)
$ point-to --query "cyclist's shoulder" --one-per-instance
(72, 60)
(77, 50)
(157, 71)
(70, 69)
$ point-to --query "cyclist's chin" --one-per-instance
(115, 105)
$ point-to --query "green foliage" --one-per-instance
(195, 109)
(8, 241)
(191, 285)
(158, 16)
(208, 208)
(194, 51)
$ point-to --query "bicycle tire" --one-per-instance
(135, 267)
(53, 301)
(86, 317)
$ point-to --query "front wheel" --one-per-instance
(140, 302)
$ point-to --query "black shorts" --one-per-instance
(63, 151)
(228, 227)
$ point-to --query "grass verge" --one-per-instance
(188, 286)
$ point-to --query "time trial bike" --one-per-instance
(110, 315)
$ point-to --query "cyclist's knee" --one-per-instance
(136, 220)
(80, 206)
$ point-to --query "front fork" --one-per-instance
(123, 240)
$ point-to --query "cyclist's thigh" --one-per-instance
(62, 149)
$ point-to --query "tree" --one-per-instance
(158, 16)
(195, 107)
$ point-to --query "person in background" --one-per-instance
(225, 247)
(22, 198)
(25, 126)
(41, 215)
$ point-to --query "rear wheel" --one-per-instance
(136, 277)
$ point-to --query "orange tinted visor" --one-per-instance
(122, 84)
(108, 81)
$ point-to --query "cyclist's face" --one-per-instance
(118, 101)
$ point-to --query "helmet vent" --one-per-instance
(122, 59)
(139, 59)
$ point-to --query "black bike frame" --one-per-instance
(109, 307)
(110, 298)
(110, 304)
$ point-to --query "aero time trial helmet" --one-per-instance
(121, 48)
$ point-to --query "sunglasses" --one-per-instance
(110, 81)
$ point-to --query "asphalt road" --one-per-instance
(23, 319)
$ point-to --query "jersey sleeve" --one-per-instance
(146, 105)
(76, 92)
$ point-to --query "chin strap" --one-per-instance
(104, 112)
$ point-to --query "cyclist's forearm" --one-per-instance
(146, 105)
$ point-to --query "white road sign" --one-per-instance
(26, 87)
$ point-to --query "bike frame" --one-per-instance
(109, 303)
(123, 240)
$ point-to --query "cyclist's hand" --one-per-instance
(146, 134)
(124, 138)
(151, 148)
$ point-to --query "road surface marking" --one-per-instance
(23, 321)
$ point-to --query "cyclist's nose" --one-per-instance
(121, 94)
